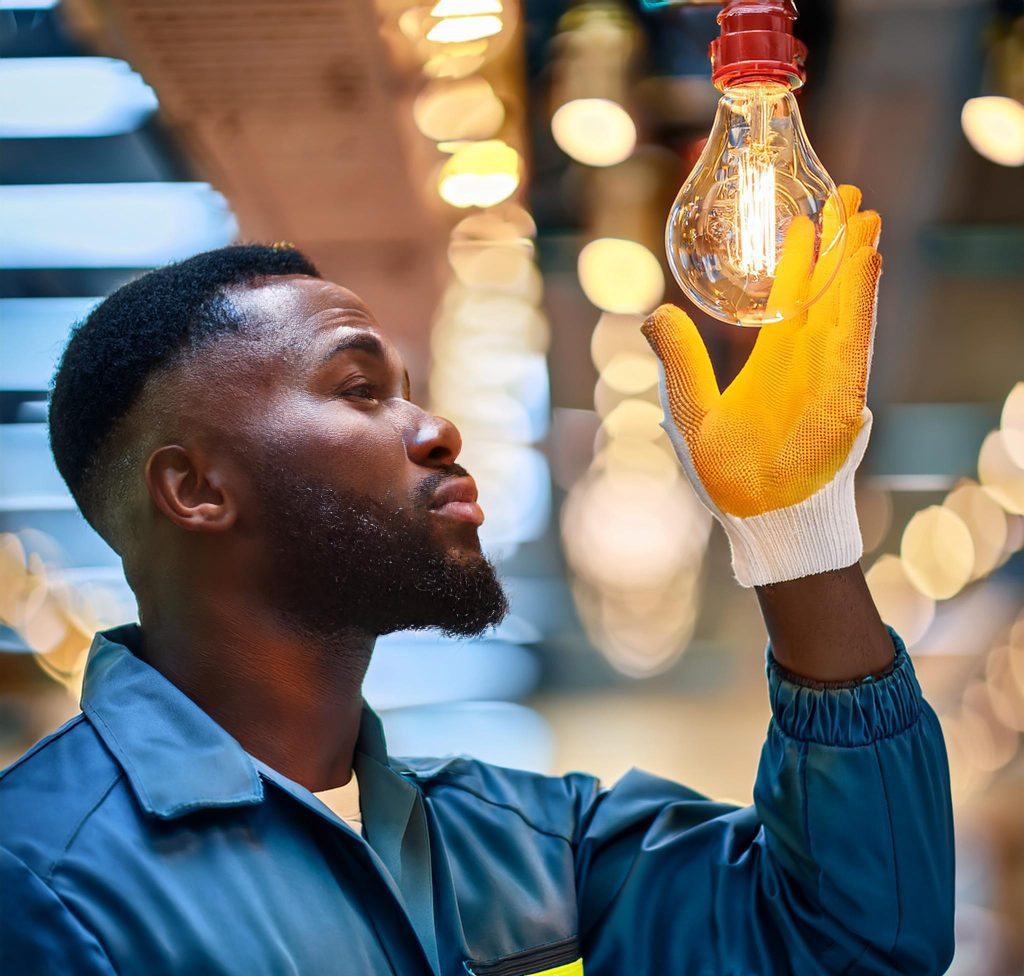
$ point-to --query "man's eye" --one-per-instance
(364, 391)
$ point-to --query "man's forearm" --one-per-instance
(826, 627)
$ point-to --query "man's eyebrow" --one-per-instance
(369, 343)
(360, 341)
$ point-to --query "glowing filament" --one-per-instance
(755, 214)
(755, 203)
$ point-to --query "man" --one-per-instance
(241, 432)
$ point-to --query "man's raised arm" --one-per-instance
(845, 862)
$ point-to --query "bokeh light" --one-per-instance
(628, 529)
(994, 126)
(874, 512)
(458, 30)
(999, 472)
(465, 8)
(986, 522)
(900, 603)
(615, 334)
(635, 419)
(629, 372)
(937, 552)
(627, 455)
(1012, 424)
(465, 108)
(595, 131)
(504, 267)
(1004, 676)
(620, 276)
(480, 174)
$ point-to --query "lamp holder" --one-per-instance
(756, 43)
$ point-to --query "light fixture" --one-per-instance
(994, 126)
(993, 123)
(61, 97)
(110, 225)
(455, 38)
(459, 30)
(33, 332)
(755, 177)
(480, 174)
(465, 8)
(593, 53)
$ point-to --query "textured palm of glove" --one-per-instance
(773, 456)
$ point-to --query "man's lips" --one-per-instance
(456, 498)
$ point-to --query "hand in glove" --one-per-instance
(773, 456)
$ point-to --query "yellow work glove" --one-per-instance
(773, 456)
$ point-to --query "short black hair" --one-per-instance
(141, 327)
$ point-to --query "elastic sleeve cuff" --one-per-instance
(846, 715)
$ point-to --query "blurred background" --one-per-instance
(493, 177)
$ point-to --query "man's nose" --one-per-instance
(434, 441)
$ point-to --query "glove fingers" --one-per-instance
(773, 350)
(792, 273)
(833, 216)
(851, 198)
(856, 327)
(689, 376)
(843, 206)
(839, 348)
(863, 229)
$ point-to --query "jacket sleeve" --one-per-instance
(843, 865)
(39, 936)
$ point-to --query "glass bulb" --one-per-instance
(727, 227)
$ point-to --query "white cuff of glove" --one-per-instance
(819, 534)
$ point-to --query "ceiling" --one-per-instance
(301, 115)
(298, 114)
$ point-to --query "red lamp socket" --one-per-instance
(757, 44)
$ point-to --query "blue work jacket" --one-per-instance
(141, 839)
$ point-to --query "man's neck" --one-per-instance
(292, 701)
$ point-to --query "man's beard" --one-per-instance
(341, 561)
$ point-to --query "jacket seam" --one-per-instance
(72, 723)
(67, 908)
(870, 743)
(801, 682)
(819, 876)
(805, 813)
(507, 806)
(570, 941)
(121, 755)
(73, 836)
(851, 968)
(895, 859)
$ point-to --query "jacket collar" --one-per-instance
(176, 757)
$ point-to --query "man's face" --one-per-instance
(368, 520)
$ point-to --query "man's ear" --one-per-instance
(189, 490)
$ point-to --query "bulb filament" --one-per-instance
(755, 203)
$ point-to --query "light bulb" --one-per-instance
(726, 230)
